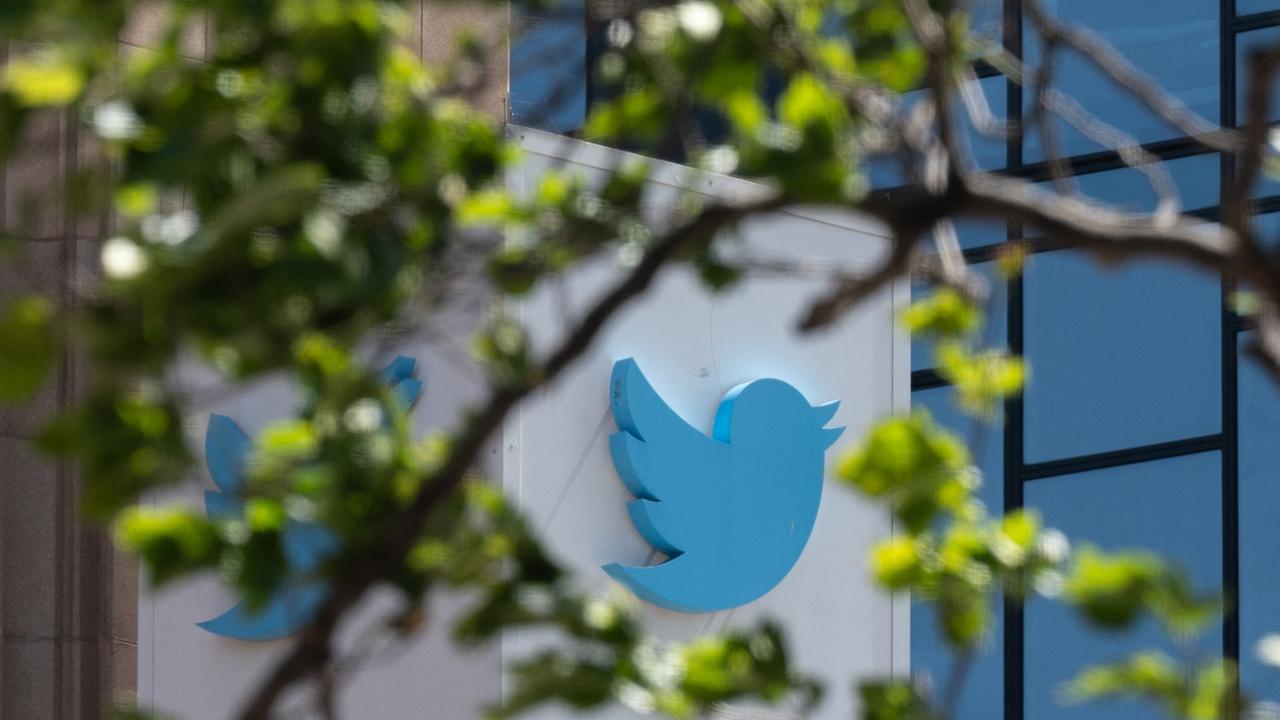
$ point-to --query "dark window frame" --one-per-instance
(1016, 471)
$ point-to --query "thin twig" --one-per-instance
(1043, 119)
(942, 157)
(1131, 153)
(326, 685)
(956, 678)
(851, 291)
(978, 109)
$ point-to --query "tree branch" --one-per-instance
(1115, 66)
(1040, 117)
(910, 213)
(1263, 65)
(313, 648)
(850, 291)
(1103, 231)
(960, 667)
(1107, 232)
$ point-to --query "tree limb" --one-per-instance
(850, 291)
(1103, 231)
(1263, 65)
(1115, 66)
(313, 648)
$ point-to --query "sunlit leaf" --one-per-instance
(27, 346)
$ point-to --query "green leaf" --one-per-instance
(490, 207)
(43, 79)
(807, 102)
(983, 379)
(27, 347)
(173, 541)
(944, 314)
(1201, 692)
(746, 111)
(894, 700)
(1111, 589)
(918, 467)
(1021, 526)
(1148, 673)
(1213, 692)
(128, 439)
(288, 440)
(895, 562)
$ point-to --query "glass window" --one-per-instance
(1259, 466)
(1172, 507)
(1246, 43)
(1174, 42)
(994, 322)
(1196, 180)
(975, 233)
(986, 19)
(987, 153)
(983, 695)
(1248, 7)
(1119, 357)
(1266, 187)
(1267, 227)
(548, 83)
(985, 440)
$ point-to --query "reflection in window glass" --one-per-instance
(986, 20)
(1170, 506)
(1174, 42)
(1119, 357)
(1248, 7)
(993, 326)
(987, 153)
(548, 83)
(1266, 186)
(1259, 465)
(983, 695)
(979, 232)
(1195, 178)
(1246, 43)
(1267, 229)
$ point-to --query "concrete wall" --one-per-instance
(67, 608)
(442, 21)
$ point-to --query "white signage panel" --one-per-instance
(694, 346)
(553, 457)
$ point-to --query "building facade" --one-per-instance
(1143, 423)
(69, 602)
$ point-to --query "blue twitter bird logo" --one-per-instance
(306, 545)
(734, 510)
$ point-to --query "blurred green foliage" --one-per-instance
(309, 180)
(26, 346)
(895, 700)
(950, 553)
(1204, 692)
